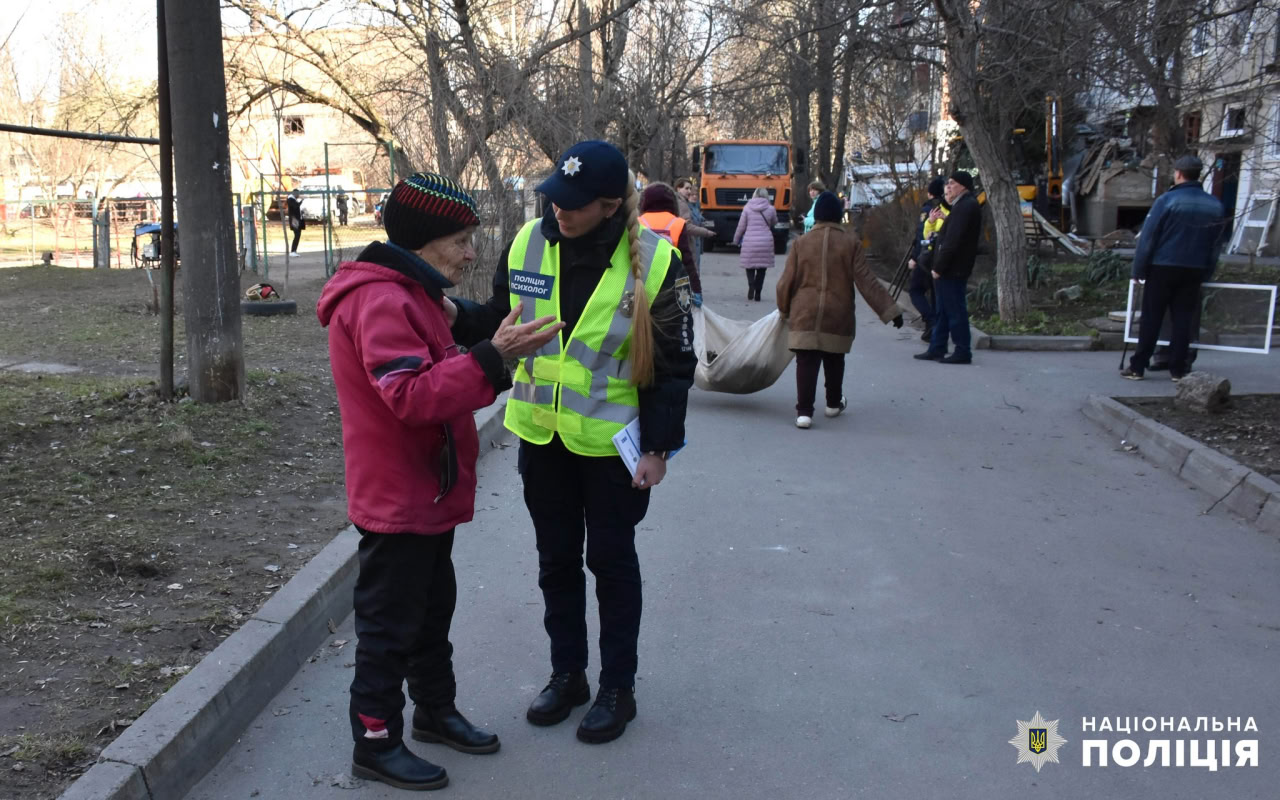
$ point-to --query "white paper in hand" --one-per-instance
(627, 442)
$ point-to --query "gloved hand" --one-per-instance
(897, 321)
(697, 299)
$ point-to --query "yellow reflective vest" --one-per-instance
(579, 388)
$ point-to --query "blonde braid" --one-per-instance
(642, 340)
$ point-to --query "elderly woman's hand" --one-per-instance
(517, 341)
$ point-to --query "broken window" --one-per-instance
(1233, 121)
(1191, 124)
(294, 126)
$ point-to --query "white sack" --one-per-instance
(748, 356)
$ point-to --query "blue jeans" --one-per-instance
(952, 318)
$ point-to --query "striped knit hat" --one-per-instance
(424, 207)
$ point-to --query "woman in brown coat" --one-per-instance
(815, 295)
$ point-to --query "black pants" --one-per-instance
(404, 600)
(297, 234)
(1177, 290)
(1166, 333)
(755, 282)
(574, 500)
(920, 289)
(807, 364)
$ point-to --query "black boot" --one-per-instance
(396, 766)
(446, 725)
(564, 691)
(608, 717)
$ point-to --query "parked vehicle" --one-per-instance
(729, 171)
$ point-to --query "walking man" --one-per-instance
(953, 256)
(1177, 251)
(293, 210)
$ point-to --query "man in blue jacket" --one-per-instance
(1177, 251)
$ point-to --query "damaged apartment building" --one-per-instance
(1231, 117)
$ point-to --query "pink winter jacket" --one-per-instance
(400, 381)
(755, 233)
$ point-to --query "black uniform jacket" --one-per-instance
(582, 263)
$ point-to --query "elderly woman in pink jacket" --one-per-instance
(755, 237)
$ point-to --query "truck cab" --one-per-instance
(729, 172)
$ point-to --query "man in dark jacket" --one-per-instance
(293, 211)
(1177, 251)
(953, 257)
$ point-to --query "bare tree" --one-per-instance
(1002, 57)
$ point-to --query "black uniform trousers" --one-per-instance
(1177, 290)
(755, 281)
(574, 500)
(404, 600)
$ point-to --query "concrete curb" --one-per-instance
(1245, 492)
(1029, 342)
(192, 726)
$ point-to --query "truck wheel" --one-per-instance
(267, 308)
(708, 245)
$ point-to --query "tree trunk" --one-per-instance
(586, 83)
(825, 70)
(799, 107)
(991, 155)
(842, 118)
(202, 160)
(985, 126)
(439, 82)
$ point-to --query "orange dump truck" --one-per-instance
(729, 171)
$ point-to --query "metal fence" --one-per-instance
(341, 223)
(111, 232)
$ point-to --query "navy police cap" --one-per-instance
(584, 172)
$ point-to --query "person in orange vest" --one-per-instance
(660, 213)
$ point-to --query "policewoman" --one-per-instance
(625, 352)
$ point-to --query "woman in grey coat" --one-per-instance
(755, 238)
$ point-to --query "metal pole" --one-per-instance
(262, 201)
(391, 157)
(239, 230)
(166, 208)
(328, 217)
(61, 134)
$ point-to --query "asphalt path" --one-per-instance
(863, 609)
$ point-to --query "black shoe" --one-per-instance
(608, 717)
(927, 335)
(929, 355)
(564, 691)
(955, 358)
(397, 767)
(446, 725)
(1131, 373)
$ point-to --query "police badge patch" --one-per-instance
(684, 295)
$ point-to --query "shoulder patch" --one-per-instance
(684, 295)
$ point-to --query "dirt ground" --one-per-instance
(1248, 430)
(139, 534)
